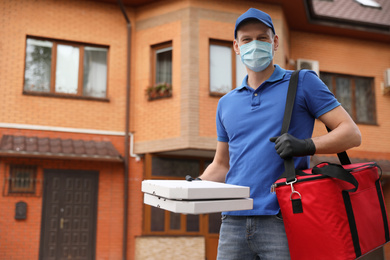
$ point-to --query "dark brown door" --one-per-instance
(69, 215)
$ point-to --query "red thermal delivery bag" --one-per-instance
(325, 219)
(332, 211)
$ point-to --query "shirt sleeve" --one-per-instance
(222, 135)
(319, 99)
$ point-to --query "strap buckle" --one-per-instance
(293, 191)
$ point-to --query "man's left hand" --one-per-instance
(288, 146)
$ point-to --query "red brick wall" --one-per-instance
(157, 119)
(20, 239)
(135, 212)
(89, 22)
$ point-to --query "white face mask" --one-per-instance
(256, 55)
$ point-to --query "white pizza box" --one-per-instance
(193, 190)
(198, 206)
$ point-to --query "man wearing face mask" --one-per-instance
(249, 149)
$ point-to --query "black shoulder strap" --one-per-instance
(289, 166)
(289, 163)
(291, 93)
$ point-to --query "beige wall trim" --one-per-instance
(60, 129)
(154, 247)
(172, 144)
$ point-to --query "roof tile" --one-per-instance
(11, 145)
(353, 11)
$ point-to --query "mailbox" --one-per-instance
(21, 210)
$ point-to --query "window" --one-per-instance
(22, 179)
(226, 69)
(63, 68)
(369, 3)
(158, 221)
(356, 94)
(162, 64)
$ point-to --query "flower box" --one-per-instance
(158, 91)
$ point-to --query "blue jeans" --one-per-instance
(252, 237)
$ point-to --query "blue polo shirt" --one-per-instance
(247, 119)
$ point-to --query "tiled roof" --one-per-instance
(23, 146)
(351, 10)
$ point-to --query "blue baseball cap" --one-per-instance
(254, 13)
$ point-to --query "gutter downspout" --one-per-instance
(127, 130)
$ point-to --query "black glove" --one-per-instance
(189, 178)
(288, 146)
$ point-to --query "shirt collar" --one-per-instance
(277, 75)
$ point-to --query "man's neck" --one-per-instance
(255, 79)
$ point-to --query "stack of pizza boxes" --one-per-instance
(196, 196)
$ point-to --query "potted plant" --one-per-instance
(160, 90)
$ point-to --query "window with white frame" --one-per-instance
(162, 63)
(226, 69)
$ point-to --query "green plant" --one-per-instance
(159, 90)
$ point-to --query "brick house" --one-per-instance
(98, 95)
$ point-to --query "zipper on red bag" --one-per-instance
(355, 169)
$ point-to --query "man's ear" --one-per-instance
(276, 42)
(236, 47)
